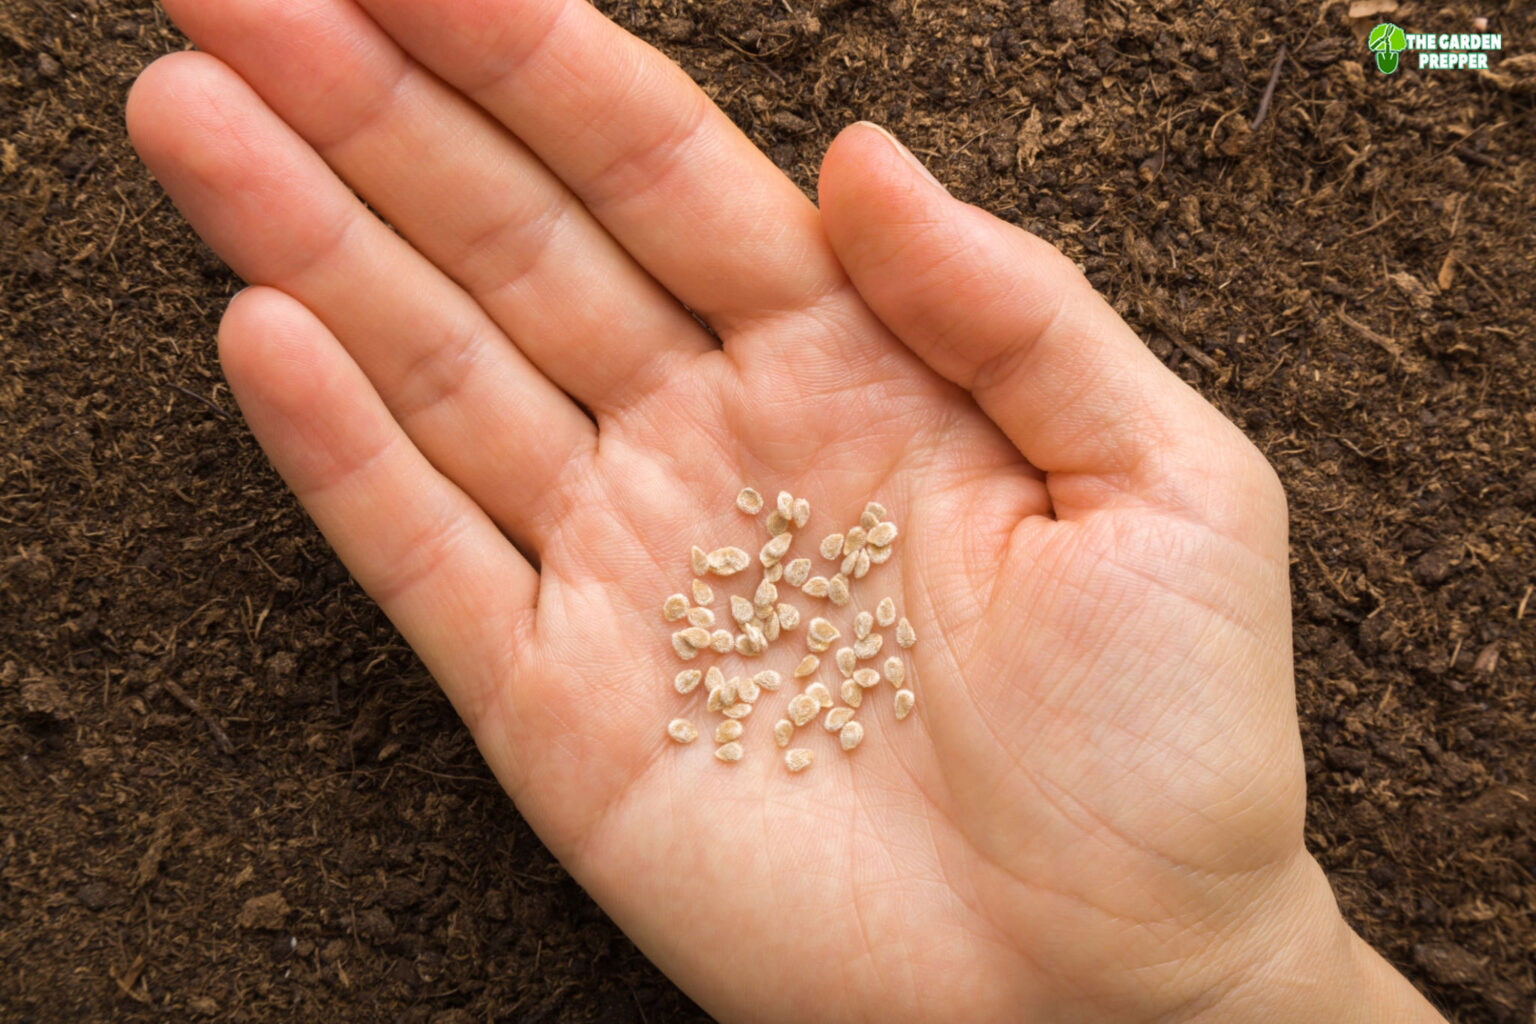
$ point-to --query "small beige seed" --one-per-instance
(748, 691)
(820, 693)
(766, 596)
(720, 641)
(861, 564)
(789, 616)
(682, 730)
(836, 719)
(749, 501)
(895, 670)
(686, 681)
(715, 703)
(698, 636)
(768, 679)
(850, 563)
(771, 628)
(785, 506)
(832, 546)
(816, 586)
(783, 732)
(882, 535)
(868, 519)
(808, 664)
(700, 561)
(801, 513)
(799, 759)
(906, 636)
(775, 549)
(862, 624)
(846, 661)
(837, 590)
(728, 561)
(852, 693)
(866, 677)
(701, 617)
(868, 647)
(702, 593)
(713, 678)
(728, 730)
(741, 609)
(675, 607)
(741, 709)
(816, 646)
(777, 524)
(885, 611)
(684, 649)
(797, 572)
(879, 556)
(747, 647)
(854, 539)
(904, 701)
(851, 735)
(802, 708)
(821, 629)
(755, 633)
(729, 752)
(726, 693)
(774, 572)
(875, 509)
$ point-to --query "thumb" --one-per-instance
(1005, 315)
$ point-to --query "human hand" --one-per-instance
(1096, 811)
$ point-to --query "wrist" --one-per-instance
(1300, 961)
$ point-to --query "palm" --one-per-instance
(1103, 671)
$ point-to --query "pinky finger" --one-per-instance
(457, 590)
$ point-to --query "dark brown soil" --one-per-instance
(229, 791)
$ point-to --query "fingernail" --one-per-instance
(906, 153)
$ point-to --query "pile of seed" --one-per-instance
(760, 620)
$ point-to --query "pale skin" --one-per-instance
(511, 430)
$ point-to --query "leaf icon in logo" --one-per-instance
(1386, 41)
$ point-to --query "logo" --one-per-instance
(1386, 42)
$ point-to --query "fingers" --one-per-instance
(462, 190)
(459, 593)
(262, 198)
(666, 171)
(1004, 314)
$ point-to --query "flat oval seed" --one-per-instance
(808, 664)
(904, 701)
(698, 636)
(686, 681)
(836, 719)
(702, 594)
(783, 732)
(802, 708)
(862, 624)
(820, 694)
(869, 646)
(715, 703)
(862, 561)
(885, 611)
(799, 759)
(746, 648)
(684, 649)
(682, 730)
(846, 662)
(875, 509)
(714, 678)
(777, 524)
(741, 609)
(878, 556)
(728, 561)
(802, 513)
(729, 752)
(837, 590)
(771, 628)
(774, 572)
(741, 709)
(851, 735)
(785, 506)
(675, 607)
(819, 646)
(882, 535)
(832, 546)
(775, 548)
(852, 693)
(866, 677)
(789, 616)
(728, 730)
(816, 586)
(895, 670)
(821, 629)
(797, 572)
(748, 691)
(766, 595)
(854, 539)
(749, 501)
(701, 617)
(868, 519)
(906, 636)
(850, 563)
(700, 561)
(768, 679)
(720, 641)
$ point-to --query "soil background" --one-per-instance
(229, 791)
